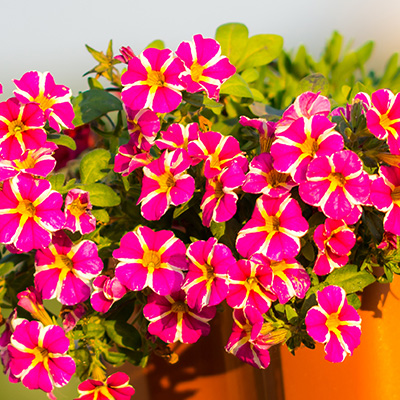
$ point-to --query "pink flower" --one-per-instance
(29, 212)
(143, 126)
(264, 178)
(106, 291)
(64, 270)
(306, 105)
(164, 183)
(274, 229)
(205, 68)
(5, 339)
(177, 136)
(31, 301)
(38, 356)
(54, 100)
(129, 158)
(334, 241)
(206, 282)
(219, 201)
(265, 128)
(21, 128)
(218, 151)
(151, 259)
(116, 387)
(249, 285)
(336, 183)
(77, 212)
(301, 142)
(126, 54)
(71, 316)
(362, 97)
(383, 118)
(172, 320)
(152, 81)
(385, 196)
(289, 278)
(335, 323)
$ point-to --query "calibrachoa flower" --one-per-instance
(143, 126)
(172, 320)
(31, 301)
(206, 282)
(336, 183)
(29, 212)
(126, 54)
(77, 212)
(165, 182)
(64, 270)
(219, 200)
(21, 128)
(274, 229)
(54, 100)
(5, 339)
(116, 387)
(129, 158)
(106, 291)
(385, 196)
(334, 241)
(38, 356)
(335, 323)
(289, 278)
(34, 162)
(249, 285)
(218, 151)
(71, 315)
(305, 139)
(151, 259)
(265, 128)
(306, 105)
(362, 97)
(152, 81)
(264, 178)
(205, 68)
(383, 118)
(177, 136)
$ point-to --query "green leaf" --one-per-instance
(101, 195)
(250, 75)
(114, 357)
(123, 334)
(314, 83)
(93, 104)
(56, 181)
(233, 40)
(217, 229)
(353, 300)
(93, 164)
(390, 71)
(236, 86)
(333, 49)
(350, 279)
(291, 313)
(101, 215)
(364, 52)
(6, 268)
(257, 95)
(357, 88)
(95, 84)
(62, 140)
(260, 50)
(156, 44)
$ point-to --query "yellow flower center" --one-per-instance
(63, 262)
(16, 127)
(41, 354)
(76, 208)
(275, 178)
(29, 162)
(179, 306)
(214, 161)
(251, 283)
(209, 273)
(45, 102)
(25, 207)
(396, 195)
(166, 181)
(219, 192)
(272, 223)
(278, 266)
(333, 321)
(196, 71)
(155, 78)
(385, 121)
(338, 178)
(310, 146)
(151, 260)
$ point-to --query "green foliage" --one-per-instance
(94, 166)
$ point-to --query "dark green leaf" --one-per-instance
(217, 229)
(354, 301)
(93, 164)
(123, 334)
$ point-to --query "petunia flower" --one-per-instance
(143, 126)
(336, 183)
(334, 322)
(21, 128)
(177, 136)
(71, 315)
(65, 271)
(264, 178)
(172, 320)
(29, 212)
(304, 140)
(165, 182)
(126, 54)
(5, 339)
(274, 229)
(289, 278)
(151, 259)
(152, 81)
(362, 97)
(219, 201)
(205, 68)
(77, 212)
(106, 291)
(206, 282)
(383, 118)
(334, 241)
(249, 285)
(38, 356)
(218, 151)
(265, 128)
(116, 387)
(53, 99)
